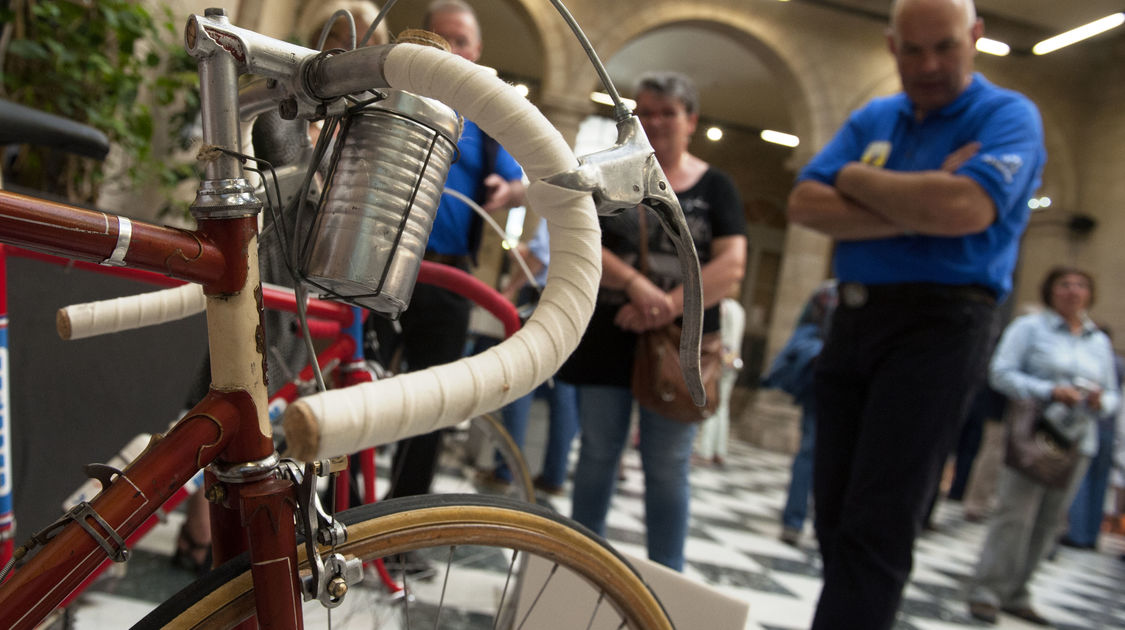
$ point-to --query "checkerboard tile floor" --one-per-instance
(734, 547)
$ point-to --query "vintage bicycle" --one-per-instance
(261, 502)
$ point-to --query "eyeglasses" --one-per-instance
(1072, 284)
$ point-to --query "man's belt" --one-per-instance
(855, 294)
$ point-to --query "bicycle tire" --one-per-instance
(224, 597)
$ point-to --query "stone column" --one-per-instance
(770, 420)
(566, 112)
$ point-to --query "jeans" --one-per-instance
(801, 476)
(665, 445)
(1088, 509)
(562, 400)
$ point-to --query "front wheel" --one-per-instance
(489, 562)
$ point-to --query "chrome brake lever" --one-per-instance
(624, 176)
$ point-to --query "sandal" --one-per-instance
(192, 555)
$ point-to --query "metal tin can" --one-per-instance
(370, 233)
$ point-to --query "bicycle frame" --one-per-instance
(342, 324)
(228, 422)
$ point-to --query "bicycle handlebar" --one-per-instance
(79, 321)
(101, 317)
(341, 421)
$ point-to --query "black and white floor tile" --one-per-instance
(734, 547)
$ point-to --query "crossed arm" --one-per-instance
(869, 202)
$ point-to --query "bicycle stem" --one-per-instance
(226, 209)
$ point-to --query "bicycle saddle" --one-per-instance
(24, 125)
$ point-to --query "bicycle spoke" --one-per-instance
(542, 589)
(405, 590)
(444, 587)
(597, 605)
(504, 593)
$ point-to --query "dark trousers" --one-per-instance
(434, 328)
(987, 404)
(893, 384)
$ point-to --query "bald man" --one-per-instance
(925, 193)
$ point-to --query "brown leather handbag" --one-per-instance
(1031, 448)
(658, 385)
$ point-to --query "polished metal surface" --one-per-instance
(368, 238)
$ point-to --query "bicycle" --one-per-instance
(340, 331)
(337, 326)
(259, 502)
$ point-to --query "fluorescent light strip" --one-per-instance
(993, 47)
(777, 137)
(1076, 35)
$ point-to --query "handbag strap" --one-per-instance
(642, 223)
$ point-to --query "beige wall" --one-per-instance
(825, 64)
(828, 63)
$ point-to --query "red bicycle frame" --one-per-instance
(344, 354)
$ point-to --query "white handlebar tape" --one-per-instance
(351, 419)
(79, 321)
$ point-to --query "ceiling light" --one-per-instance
(777, 137)
(602, 98)
(522, 89)
(714, 134)
(1076, 35)
(993, 47)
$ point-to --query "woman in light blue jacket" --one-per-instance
(1057, 355)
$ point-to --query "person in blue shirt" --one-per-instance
(925, 193)
(1087, 511)
(436, 324)
(792, 372)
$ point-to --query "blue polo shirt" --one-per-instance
(1008, 167)
(450, 234)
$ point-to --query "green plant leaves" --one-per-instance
(96, 63)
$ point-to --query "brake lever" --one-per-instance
(624, 176)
